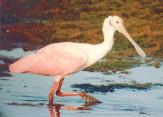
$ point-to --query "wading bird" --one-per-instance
(62, 59)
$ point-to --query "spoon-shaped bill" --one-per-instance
(137, 47)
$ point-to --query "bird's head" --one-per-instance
(115, 23)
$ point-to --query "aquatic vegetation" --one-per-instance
(114, 65)
(25, 104)
(111, 87)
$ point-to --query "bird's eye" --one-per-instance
(117, 22)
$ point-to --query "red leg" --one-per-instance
(53, 89)
(85, 96)
(59, 93)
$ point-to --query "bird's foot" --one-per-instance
(89, 99)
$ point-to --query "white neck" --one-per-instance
(108, 37)
(100, 50)
(106, 45)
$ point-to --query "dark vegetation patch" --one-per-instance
(87, 87)
(4, 70)
(114, 65)
(4, 66)
(25, 104)
(6, 60)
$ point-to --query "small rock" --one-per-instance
(25, 86)
(124, 72)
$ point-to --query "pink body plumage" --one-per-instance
(54, 59)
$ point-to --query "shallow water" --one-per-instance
(24, 95)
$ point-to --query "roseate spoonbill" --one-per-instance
(63, 59)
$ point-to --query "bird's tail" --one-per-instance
(22, 65)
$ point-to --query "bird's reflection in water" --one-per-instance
(55, 109)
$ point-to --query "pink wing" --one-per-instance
(55, 59)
